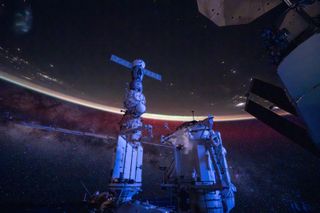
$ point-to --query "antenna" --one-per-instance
(86, 189)
(193, 115)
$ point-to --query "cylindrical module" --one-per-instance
(210, 202)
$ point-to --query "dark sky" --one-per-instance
(205, 68)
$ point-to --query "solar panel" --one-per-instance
(152, 74)
(272, 93)
(121, 61)
(295, 132)
(129, 65)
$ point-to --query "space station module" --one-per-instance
(126, 178)
(199, 174)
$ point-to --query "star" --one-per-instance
(233, 71)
